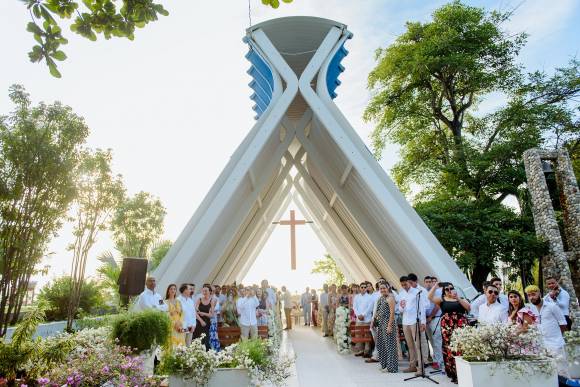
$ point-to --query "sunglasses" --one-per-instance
(449, 289)
(493, 292)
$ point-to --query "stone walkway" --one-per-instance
(318, 364)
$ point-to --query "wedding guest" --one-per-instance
(501, 298)
(552, 325)
(270, 292)
(229, 311)
(518, 312)
(148, 299)
(325, 307)
(214, 341)
(353, 293)
(413, 305)
(362, 306)
(176, 315)
(262, 308)
(247, 314)
(492, 312)
(561, 297)
(375, 295)
(433, 313)
(287, 298)
(305, 305)
(204, 309)
(386, 330)
(344, 298)
(314, 303)
(479, 300)
(332, 305)
(188, 307)
(453, 316)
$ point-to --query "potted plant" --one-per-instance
(502, 355)
(144, 332)
(250, 362)
(572, 339)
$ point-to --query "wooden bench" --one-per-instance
(360, 333)
(229, 335)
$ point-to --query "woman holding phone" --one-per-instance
(453, 315)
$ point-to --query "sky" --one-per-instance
(174, 103)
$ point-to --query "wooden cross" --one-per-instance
(293, 222)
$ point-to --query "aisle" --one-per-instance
(318, 364)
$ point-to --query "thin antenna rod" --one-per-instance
(250, 12)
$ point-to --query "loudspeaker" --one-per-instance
(132, 278)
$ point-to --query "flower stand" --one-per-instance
(486, 374)
(231, 377)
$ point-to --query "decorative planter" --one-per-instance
(230, 377)
(149, 360)
(574, 368)
(486, 374)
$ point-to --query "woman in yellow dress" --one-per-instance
(176, 315)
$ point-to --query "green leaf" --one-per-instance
(58, 55)
(34, 28)
(47, 16)
(53, 70)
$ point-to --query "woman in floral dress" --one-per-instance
(314, 307)
(214, 341)
(387, 330)
(262, 311)
(518, 312)
(453, 316)
(175, 315)
(229, 312)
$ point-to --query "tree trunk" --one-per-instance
(479, 275)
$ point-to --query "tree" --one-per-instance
(109, 273)
(427, 87)
(158, 253)
(91, 18)
(40, 147)
(328, 266)
(137, 224)
(99, 193)
(56, 294)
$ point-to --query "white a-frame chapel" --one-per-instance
(359, 215)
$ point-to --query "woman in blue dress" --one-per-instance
(214, 341)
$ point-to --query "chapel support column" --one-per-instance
(546, 225)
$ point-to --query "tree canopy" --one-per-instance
(328, 266)
(427, 88)
(90, 18)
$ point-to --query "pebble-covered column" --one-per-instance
(556, 264)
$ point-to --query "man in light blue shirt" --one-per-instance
(433, 324)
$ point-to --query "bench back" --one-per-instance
(228, 335)
(360, 333)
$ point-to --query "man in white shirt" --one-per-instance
(502, 299)
(478, 301)
(325, 307)
(362, 306)
(148, 299)
(247, 314)
(433, 313)
(559, 296)
(413, 305)
(188, 308)
(287, 299)
(552, 324)
(305, 305)
(492, 312)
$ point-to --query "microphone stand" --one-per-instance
(418, 336)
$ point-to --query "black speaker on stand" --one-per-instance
(132, 278)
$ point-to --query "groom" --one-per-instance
(305, 304)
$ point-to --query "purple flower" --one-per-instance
(106, 369)
(43, 381)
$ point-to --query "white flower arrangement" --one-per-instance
(341, 330)
(274, 329)
(265, 364)
(505, 344)
(572, 339)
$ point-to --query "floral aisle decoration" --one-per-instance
(341, 330)
(507, 346)
(572, 339)
(263, 362)
(274, 329)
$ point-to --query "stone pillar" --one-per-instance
(556, 263)
(570, 202)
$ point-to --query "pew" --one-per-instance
(360, 333)
(231, 335)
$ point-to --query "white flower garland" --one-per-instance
(341, 327)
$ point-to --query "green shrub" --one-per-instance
(57, 294)
(142, 330)
(95, 322)
(255, 349)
